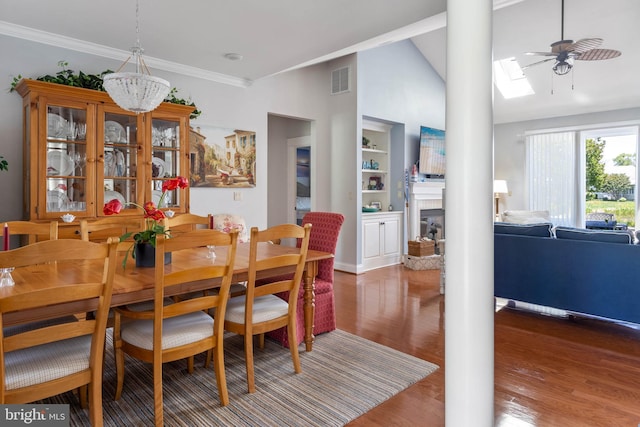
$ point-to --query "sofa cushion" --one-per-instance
(536, 230)
(525, 217)
(592, 235)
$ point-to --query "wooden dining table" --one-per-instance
(135, 284)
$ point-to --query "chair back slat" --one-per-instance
(101, 229)
(256, 264)
(186, 222)
(33, 231)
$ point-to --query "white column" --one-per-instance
(469, 215)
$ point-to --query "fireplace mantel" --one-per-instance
(423, 195)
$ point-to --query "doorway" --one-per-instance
(290, 168)
(299, 181)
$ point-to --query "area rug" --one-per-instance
(342, 378)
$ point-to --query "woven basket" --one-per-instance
(421, 248)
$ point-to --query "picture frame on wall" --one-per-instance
(222, 157)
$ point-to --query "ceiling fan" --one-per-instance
(564, 52)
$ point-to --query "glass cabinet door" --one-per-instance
(66, 160)
(119, 162)
(165, 160)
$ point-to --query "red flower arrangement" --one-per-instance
(152, 215)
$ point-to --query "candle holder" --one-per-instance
(5, 277)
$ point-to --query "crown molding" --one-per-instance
(83, 46)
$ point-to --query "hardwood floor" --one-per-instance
(549, 371)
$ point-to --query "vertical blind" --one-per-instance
(551, 175)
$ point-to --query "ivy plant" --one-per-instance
(4, 165)
(94, 81)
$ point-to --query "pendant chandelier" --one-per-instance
(139, 92)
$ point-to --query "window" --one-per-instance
(510, 80)
(551, 175)
(558, 173)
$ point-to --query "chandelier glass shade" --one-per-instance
(139, 92)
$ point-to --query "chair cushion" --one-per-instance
(265, 308)
(47, 362)
(176, 331)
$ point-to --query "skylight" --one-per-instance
(510, 80)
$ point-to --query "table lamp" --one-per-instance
(499, 187)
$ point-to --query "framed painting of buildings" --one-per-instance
(222, 158)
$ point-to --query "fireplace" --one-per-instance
(426, 209)
(432, 223)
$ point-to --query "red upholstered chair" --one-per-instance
(324, 237)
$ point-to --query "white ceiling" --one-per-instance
(277, 35)
(532, 25)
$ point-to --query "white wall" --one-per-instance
(339, 166)
(510, 156)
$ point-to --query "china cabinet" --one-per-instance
(81, 150)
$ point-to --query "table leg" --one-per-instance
(309, 303)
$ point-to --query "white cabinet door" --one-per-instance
(390, 229)
(371, 239)
(381, 240)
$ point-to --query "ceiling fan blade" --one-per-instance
(541, 53)
(539, 62)
(584, 45)
(561, 46)
(598, 54)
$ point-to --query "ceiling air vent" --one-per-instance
(340, 81)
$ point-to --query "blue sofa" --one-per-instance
(582, 271)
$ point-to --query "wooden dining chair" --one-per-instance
(183, 329)
(259, 310)
(96, 230)
(187, 222)
(33, 232)
(43, 359)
